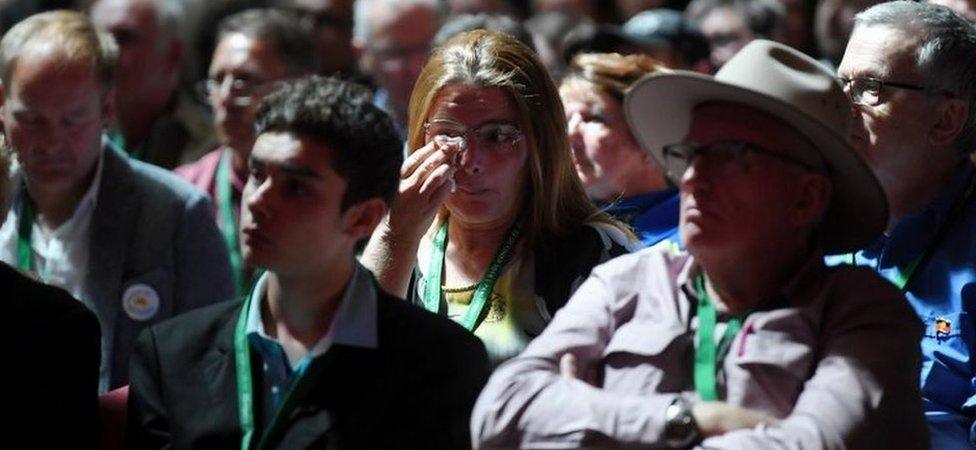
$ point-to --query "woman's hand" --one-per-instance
(426, 179)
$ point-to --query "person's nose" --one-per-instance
(258, 199)
(472, 157)
(221, 93)
(697, 174)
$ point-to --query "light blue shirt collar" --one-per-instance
(353, 325)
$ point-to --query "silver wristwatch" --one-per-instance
(680, 428)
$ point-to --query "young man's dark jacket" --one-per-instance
(415, 390)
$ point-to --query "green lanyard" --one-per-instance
(25, 256)
(118, 139)
(228, 226)
(904, 276)
(432, 290)
(706, 354)
(245, 386)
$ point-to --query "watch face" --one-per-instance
(680, 429)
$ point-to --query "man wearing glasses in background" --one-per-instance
(255, 49)
(392, 41)
(747, 341)
(910, 71)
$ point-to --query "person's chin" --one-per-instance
(52, 176)
(699, 241)
(257, 248)
(256, 258)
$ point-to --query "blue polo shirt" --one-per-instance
(654, 216)
(942, 290)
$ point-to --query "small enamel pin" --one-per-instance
(943, 327)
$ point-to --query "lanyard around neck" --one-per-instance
(245, 386)
(903, 276)
(25, 227)
(118, 139)
(432, 289)
(228, 225)
(706, 354)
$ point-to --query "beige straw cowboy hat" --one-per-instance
(793, 87)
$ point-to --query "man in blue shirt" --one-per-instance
(910, 71)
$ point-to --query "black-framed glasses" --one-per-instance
(867, 91)
(728, 157)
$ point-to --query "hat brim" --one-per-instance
(659, 110)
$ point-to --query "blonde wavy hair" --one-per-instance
(556, 204)
(612, 73)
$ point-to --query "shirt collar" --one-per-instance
(805, 283)
(954, 190)
(653, 216)
(353, 325)
(920, 226)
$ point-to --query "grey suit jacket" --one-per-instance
(152, 230)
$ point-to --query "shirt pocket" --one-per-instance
(644, 358)
(946, 373)
(767, 368)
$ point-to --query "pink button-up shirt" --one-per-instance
(836, 359)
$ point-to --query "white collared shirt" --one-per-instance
(61, 256)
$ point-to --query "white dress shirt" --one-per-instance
(60, 255)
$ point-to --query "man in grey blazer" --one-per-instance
(133, 242)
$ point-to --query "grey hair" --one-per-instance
(946, 55)
(362, 10)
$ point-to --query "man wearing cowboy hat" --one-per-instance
(747, 341)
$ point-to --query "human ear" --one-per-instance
(812, 199)
(951, 117)
(361, 219)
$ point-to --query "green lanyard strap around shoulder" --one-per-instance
(245, 386)
(482, 292)
(904, 275)
(228, 226)
(25, 226)
(706, 354)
